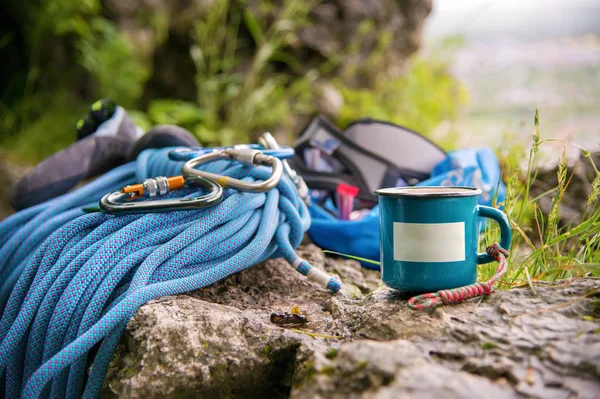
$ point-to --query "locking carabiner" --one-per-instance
(268, 141)
(246, 156)
(122, 202)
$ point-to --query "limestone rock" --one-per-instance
(338, 25)
(371, 369)
(329, 101)
(334, 29)
(219, 341)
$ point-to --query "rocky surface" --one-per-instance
(360, 343)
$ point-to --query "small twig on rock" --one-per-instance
(314, 335)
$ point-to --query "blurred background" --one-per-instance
(462, 73)
(515, 56)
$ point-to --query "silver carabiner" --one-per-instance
(268, 141)
(121, 202)
(247, 157)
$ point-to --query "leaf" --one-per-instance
(175, 112)
(254, 28)
(373, 262)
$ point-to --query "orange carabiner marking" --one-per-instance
(222, 181)
(173, 182)
(136, 189)
(176, 182)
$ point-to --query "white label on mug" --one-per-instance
(429, 242)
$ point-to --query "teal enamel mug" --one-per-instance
(429, 236)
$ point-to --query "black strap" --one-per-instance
(322, 134)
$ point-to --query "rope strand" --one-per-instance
(461, 294)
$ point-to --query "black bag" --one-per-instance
(369, 154)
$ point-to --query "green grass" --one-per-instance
(543, 249)
(48, 126)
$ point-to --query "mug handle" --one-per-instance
(505, 231)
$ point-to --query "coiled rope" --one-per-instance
(71, 281)
(460, 294)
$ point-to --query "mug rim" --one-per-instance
(426, 191)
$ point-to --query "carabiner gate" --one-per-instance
(246, 156)
(121, 202)
(268, 141)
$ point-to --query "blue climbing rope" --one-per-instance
(70, 281)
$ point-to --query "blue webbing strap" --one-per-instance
(73, 280)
